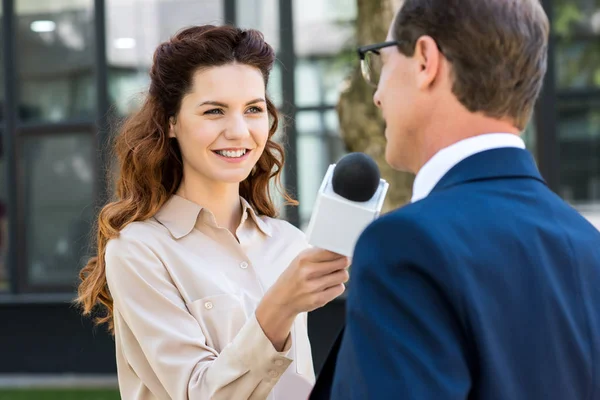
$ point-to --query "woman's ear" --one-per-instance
(172, 122)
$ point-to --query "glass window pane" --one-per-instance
(318, 123)
(323, 34)
(319, 81)
(59, 183)
(319, 145)
(323, 28)
(579, 143)
(274, 90)
(336, 71)
(576, 27)
(278, 199)
(309, 123)
(55, 59)
(126, 89)
(4, 278)
(308, 84)
(332, 123)
(1, 76)
(312, 165)
(134, 28)
(576, 17)
(578, 63)
(262, 15)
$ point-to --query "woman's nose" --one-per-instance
(237, 128)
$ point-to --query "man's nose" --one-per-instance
(377, 99)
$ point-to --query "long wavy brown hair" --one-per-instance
(150, 163)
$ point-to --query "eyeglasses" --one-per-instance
(370, 61)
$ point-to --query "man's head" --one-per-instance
(459, 67)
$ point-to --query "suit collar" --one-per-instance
(491, 164)
(445, 159)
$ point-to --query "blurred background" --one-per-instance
(70, 70)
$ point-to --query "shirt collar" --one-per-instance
(179, 216)
(248, 210)
(434, 169)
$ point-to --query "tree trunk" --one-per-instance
(361, 124)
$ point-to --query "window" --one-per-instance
(576, 26)
(134, 28)
(55, 145)
(324, 34)
(319, 145)
(55, 60)
(579, 137)
(59, 183)
(262, 15)
(4, 276)
(576, 32)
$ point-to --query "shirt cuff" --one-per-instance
(258, 353)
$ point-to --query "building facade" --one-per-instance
(71, 69)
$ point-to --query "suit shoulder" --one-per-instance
(403, 233)
(409, 216)
(401, 241)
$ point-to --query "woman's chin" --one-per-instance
(233, 177)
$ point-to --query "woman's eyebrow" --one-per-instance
(219, 104)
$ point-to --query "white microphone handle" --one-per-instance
(336, 223)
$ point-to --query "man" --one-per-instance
(486, 286)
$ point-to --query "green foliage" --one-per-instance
(566, 16)
(577, 44)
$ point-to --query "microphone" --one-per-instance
(350, 198)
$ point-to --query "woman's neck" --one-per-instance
(221, 199)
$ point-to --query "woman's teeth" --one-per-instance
(231, 153)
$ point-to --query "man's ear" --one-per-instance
(172, 122)
(428, 59)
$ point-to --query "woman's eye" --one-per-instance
(255, 110)
(214, 111)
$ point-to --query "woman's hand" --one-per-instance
(313, 279)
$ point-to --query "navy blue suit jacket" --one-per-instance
(489, 288)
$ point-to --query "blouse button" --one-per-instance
(244, 265)
(279, 363)
(273, 374)
(208, 305)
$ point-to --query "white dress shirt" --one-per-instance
(438, 165)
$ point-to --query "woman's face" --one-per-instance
(222, 126)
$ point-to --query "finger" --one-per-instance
(333, 279)
(317, 270)
(331, 293)
(319, 255)
(327, 268)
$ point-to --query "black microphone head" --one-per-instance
(356, 177)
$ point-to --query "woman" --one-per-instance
(205, 291)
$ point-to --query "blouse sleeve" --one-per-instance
(172, 342)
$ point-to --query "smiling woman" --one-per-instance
(222, 127)
(204, 289)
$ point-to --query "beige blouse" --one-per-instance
(185, 291)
